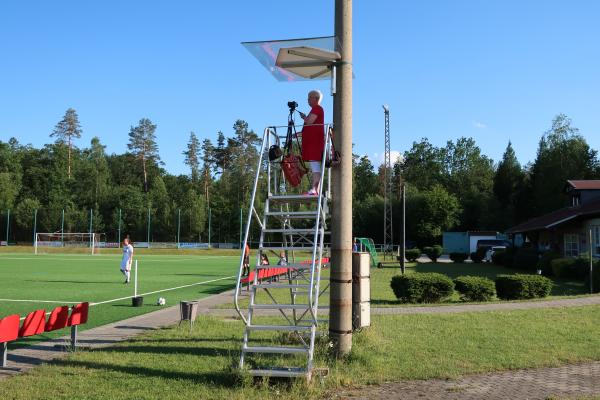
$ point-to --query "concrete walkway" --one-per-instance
(563, 382)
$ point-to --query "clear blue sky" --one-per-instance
(492, 70)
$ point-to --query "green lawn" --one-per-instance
(174, 364)
(71, 278)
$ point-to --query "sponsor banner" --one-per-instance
(3, 243)
(108, 245)
(226, 245)
(193, 245)
(141, 245)
(47, 243)
(163, 245)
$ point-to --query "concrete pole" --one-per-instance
(403, 232)
(340, 315)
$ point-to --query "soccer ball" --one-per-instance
(161, 301)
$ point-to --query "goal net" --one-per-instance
(57, 242)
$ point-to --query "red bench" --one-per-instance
(265, 273)
(35, 323)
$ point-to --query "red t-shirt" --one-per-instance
(313, 138)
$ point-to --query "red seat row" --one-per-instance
(265, 273)
(35, 323)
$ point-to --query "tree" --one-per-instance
(508, 183)
(365, 179)
(208, 160)
(192, 155)
(67, 130)
(142, 144)
(423, 165)
(431, 212)
(563, 154)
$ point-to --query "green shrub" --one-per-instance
(526, 258)
(595, 278)
(477, 257)
(458, 257)
(571, 268)
(475, 288)
(433, 252)
(522, 286)
(413, 254)
(503, 257)
(422, 287)
(544, 263)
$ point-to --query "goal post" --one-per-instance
(57, 240)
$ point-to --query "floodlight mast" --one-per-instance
(388, 236)
(340, 295)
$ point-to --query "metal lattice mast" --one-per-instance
(388, 238)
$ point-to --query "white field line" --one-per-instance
(142, 294)
(117, 257)
(41, 301)
(163, 290)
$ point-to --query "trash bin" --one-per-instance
(188, 311)
(137, 301)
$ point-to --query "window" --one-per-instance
(596, 240)
(571, 245)
(575, 200)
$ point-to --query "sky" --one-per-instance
(496, 71)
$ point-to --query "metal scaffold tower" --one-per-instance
(388, 236)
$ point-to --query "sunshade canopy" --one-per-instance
(296, 59)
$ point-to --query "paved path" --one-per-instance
(568, 382)
(563, 382)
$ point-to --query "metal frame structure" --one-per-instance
(388, 235)
(292, 224)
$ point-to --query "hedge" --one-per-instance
(571, 268)
(412, 254)
(475, 288)
(522, 286)
(458, 257)
(526, 258)
(545, 262)
(422, 287)
(433, 252)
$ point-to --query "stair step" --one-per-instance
(289, 266)
(292, 214)
(287, 198)
(282, 286)
(280, 306)
(288, 248)
(288, 328)
(288, 231)
(279, 372)
(275, 349)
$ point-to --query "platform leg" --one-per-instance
(3, 353)
(73, 337)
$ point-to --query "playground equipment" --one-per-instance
(367, 244)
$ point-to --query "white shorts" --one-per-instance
(315, 166)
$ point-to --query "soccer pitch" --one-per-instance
(29, 282)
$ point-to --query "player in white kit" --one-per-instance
(127, 259)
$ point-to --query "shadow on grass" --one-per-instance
(193, 351)
(215, 378)
(72, 281)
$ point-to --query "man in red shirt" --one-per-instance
(313, 138)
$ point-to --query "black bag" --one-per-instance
(275, 153)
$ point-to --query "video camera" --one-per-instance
(292, 105)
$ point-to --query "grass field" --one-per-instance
(29, 282)
(176, 364)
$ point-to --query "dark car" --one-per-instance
(493, 242)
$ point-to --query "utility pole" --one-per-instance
(388, 235)
(340, 315)
(403, 231)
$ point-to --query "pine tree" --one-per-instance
(208, 159)
(67, 130)
(192, 156)
(142, 144)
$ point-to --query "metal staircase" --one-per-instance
(282, 315)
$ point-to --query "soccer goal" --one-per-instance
(58, 240)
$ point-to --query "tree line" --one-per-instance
(454, 187)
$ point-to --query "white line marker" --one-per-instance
(41, 301)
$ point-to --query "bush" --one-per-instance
(421, 287)
(433, 252)
(544, 262)
(477, 257)
(526, 258)
(475, 288)
(412, 254)
(503, 257)
(522, 286)
(570, 268)
(458, 257)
